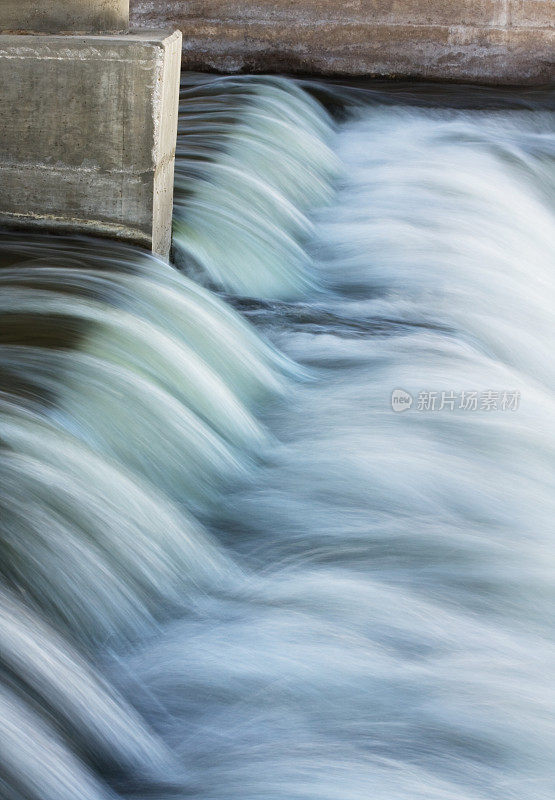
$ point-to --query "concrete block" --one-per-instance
(62, 16)
(88, 126)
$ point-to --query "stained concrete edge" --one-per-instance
(165, 140)
(490, 56)
(476, 41)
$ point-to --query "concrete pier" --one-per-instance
(88, 126)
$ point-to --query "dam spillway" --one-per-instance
(88, 108)
(230, 567)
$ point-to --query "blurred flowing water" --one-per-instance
(230, 569)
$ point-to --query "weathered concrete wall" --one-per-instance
(488, 41)
(88, 128)
(59, 16)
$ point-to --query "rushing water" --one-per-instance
(230, 568)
